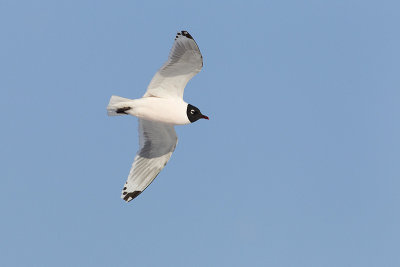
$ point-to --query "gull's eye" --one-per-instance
(192, 111)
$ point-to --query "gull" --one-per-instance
(160, 108)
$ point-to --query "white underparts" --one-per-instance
(172, 111)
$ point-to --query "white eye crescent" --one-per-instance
(192, 111)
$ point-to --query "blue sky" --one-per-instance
(298, 166)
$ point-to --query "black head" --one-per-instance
(194, 113)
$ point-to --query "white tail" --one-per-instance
(114, 104)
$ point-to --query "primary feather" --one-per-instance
(184, 62)
(157, 142)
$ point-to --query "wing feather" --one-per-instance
(157, 141)
(184, 62)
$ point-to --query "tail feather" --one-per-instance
(114, 106)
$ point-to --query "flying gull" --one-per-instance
(161, 107)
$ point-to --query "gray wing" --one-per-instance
(157, 142)
(184, 62)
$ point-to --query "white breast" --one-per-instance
(171, 111)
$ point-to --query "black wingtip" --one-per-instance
(186, 34)
(183, 33)
(129, 196)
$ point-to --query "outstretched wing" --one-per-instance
(157, 142)
(184, 62)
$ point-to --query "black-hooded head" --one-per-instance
(194, 113)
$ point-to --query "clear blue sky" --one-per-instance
(298, 166)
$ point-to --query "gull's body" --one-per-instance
(161, 107)
(167, 110)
